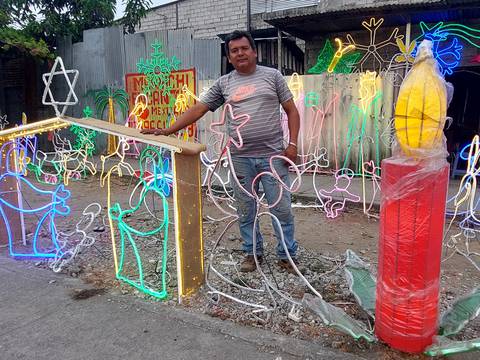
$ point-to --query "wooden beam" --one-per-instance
(32, 129)
(171, 143)
(188, 223)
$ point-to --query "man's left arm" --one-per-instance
(293, 129)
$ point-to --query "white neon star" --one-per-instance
(47, 79)
(3, 121)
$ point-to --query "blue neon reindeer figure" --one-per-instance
(53, 203)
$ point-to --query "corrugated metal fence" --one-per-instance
(106, 55)
(331, 117)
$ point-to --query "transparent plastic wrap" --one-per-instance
(414, 190)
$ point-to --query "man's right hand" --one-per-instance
(155, 131)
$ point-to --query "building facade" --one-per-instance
(210, 19)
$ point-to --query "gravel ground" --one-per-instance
(322, 246)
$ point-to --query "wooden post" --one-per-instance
(279, 49)
(188, 223)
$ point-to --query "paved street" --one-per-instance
(40, 319)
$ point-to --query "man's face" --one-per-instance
(241, 55)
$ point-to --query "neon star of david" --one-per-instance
(48, 78)
(3, 121)
(233, 118)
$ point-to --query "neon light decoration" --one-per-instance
(268, 288)
(127, 232)
(48, 78)
(38, 127)
(55, 203)
(368, 89)
(407, 53)
(68, 163)
(345, 64)
(375, 60)
(311, 99)
(135, 120)
(359, 136)
(67, 255)
(3, 121)
(333, 207)
(448, 57)
(313, 131)
(119, 167)
(108, 97)
(339, 54)
(295, 85)
(371, 171)
(157, 70)
(466, 198)
(85, 137)
(241, 120)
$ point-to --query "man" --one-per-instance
(257, 91)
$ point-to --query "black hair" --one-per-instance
(238, 34)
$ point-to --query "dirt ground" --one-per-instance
(322, 242)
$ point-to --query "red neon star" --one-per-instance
(476, 59)
(230, 140)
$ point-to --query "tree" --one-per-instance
(35, 20)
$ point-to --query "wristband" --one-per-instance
(292, 143)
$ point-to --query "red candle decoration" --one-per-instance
(410, 247)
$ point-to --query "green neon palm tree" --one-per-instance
(109, 97)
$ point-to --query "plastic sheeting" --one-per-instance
(410, 246)
(360, 282)
(412, 216)
(445, 346)
(462, 311)
(337, 318)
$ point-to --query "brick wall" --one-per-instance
(207, 17)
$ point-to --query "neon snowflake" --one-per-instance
(157, 70)
(371, 49)
(448, 57)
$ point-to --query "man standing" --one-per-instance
(257, 91)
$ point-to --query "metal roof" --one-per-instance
(347, 15)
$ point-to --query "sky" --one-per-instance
(121, 6)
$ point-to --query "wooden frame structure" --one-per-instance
(186, 190)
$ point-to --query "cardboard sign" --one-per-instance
(161, 107)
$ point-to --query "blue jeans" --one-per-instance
(246, 169)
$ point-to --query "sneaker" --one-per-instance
(248, 263)
(285, 264)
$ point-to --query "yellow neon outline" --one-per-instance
(32, 129)
(295, 85)
(339, 53)
(106, 177)
(368, 88)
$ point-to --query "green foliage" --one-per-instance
(49, 19)
(134, 12)
(12, 39)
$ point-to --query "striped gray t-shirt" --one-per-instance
(258, 95)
